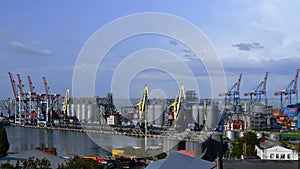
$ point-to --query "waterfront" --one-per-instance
(68, 143)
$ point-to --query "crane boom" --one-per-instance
(30, 84)
(177, 103)
(265, 83)
(239, 84)
(296, 79)
(46, 85)
(143, 102)
(13, 85)
(20, 85)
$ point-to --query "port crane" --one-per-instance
(289, 90)
(65, 103)
(176, 105)
(232, 94)
(143, 103)
(14, 86)
(258, 92)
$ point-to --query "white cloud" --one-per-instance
(30, 49)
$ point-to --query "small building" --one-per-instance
(269, 149)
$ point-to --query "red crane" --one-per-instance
(20, 85)
(13, 85)
(46, 86)
(233, 93)
(31, 87)
(289, 90)
(259, 91)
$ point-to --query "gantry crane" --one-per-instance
(233, 93)
(259, 92)
(176, 105)
(289, 90)
(143, 103)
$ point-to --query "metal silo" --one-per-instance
(72, 110)
(78, 111)
(83, 112)
(158, 114)
(201, 115)
(195, 113)
(212, 116)
(150, 114)
(258, 108)
(89, 114)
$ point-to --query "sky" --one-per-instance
(46, 38)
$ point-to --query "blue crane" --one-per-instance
(289, 90)
(258, 92)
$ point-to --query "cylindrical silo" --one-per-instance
(150, 114)
(83, 111)
(212, 116)
(78, 112)
(72, 110)
(201, 115)
(195, 113)
(158, 114)
(89, 114)
(258, 107)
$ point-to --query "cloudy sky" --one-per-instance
(43, 38)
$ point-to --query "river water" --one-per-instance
(69, 143)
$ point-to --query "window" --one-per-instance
(282, 156)
(289, 156)
(271, 156)
(277, 156)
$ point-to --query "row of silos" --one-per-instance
(86, 110)
(155, 114)
(208, 115)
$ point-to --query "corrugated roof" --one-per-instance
(178, 160)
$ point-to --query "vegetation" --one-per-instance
(75, 163)
(4, 146)
(31, 163)
(250, 139)
(81, 163)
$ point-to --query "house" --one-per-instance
(269, 149)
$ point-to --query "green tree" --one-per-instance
(79, 163)
(4, 145)
(250, 139)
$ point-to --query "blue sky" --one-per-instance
(44, 38)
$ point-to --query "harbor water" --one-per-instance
(68, 143)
